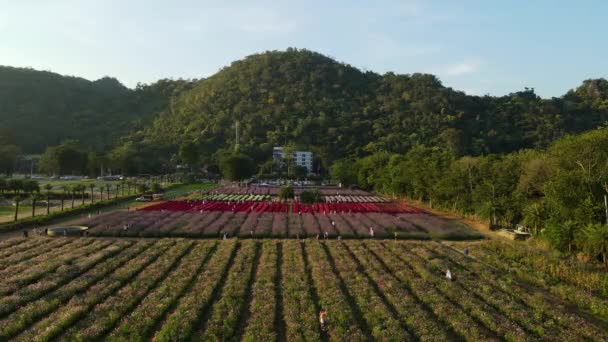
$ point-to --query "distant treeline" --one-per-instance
(558, 192)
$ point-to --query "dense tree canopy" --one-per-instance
(557, 192)
(236, 166)
(304, 99)
(43, 109)
(295, 98)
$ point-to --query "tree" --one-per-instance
(82, 188)
(286, 192)
(17, 200)
(594, 241)
(31, 186)
(73, 190)
(344, 171)
(100, 189)
(65, 189)
(67, 158)
(92, 188)
(48, 187)
(142, 188)
(155, 188)
(189, 154)
(3, 185)
(15, 185)
(300, 172)
(34, 196)
(310, 196)
(9, 154)
(534, 216)
(236, 167)
(562, 234)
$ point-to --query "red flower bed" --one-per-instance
(201, 205)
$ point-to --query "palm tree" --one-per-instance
(92, 188)
(594, 241)
(48, 188)
(73, 190)
(82, 189)
(65, 190)
(17, 199)
(3, 185)
(35, 197)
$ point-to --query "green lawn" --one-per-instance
(182, 190)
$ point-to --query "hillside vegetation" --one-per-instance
(293, 97)
(306, 99)
(41, 109)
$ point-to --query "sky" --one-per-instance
(480, 47)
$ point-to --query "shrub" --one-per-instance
(286, 192)
(310, 196)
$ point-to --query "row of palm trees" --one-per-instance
(30, 189)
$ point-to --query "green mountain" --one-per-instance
(294, 97)
(306, 99)
(42, 108)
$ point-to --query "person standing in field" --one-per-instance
(371, 232)
(323, 319)
(448, 275)
(466, 251)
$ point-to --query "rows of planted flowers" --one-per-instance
(353, 199)
(182, 290)
(283, 222)
(231, 197)
(295, 207)
(203, 205)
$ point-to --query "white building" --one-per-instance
(300, 158)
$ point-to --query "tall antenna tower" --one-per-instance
(236, 128)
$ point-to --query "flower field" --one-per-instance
(273, 219)
(273, 290)
(258, 206)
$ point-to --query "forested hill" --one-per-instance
(42, 108)
(309, 100)
(295, 97)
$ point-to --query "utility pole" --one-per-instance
(606, 207)
(236, 127)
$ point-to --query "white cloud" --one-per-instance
(463, 68)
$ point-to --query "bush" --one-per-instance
(310, 196)
(286, 192)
